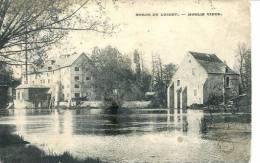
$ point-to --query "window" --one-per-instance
(195, 92)
(77, 94)
(49, 68)
(49, 80)
(76, 78)
(227, 82)
(76, 68)
(87, 78)
(190, 61)
(178, 82)
(76, 86)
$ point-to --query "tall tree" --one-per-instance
(161, 78)
(168, 71)
(31, 26)
(5, 82)
(137, 62)
(142, 76)
(244, 68)
(113, 73)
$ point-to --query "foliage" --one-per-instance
(113, 74)
(115, 78)
(162, 75)
(244, 69)
(168, 71)
(142, 77)
(5, 82)
(33, 26)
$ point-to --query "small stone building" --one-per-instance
(201, 79)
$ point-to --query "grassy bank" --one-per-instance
(13, 149)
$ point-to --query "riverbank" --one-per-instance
(13, 149)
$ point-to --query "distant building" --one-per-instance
(67, 77)
(19, 69)
(200, 78)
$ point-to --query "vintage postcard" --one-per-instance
(125, 81)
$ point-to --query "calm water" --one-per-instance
(136, 135)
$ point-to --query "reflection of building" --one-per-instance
(67, 77)
(199, 78)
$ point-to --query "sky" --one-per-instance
(169, 36)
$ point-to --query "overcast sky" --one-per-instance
(171, 36)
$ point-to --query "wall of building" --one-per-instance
(216, 83)
(232, 90)
(191, 77)
(62, 81)
(81, 76)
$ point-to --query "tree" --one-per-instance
(168, 71)
(113, 73)
(142, 77)
(137, 62)
(5, 82)
(161, 78)
(244, 69)
(32, 26)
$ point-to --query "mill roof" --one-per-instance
(59, 62)
(211, 63)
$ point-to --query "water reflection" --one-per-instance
(150, 135)
(82, 122)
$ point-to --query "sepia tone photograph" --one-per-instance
(93, 81)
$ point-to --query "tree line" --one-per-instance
(127, 77)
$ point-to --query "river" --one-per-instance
(137, 135)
